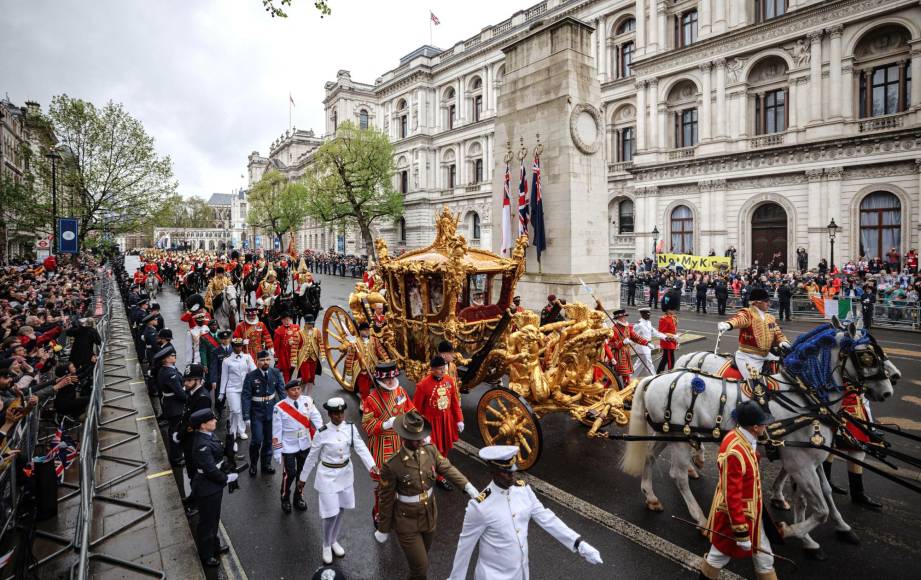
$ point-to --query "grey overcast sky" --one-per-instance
(210, 78)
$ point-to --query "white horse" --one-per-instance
(226, 312)
(667, 399)
(152, 285)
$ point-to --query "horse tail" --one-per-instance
(634, 459)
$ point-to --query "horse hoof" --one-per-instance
(780, 504)
(848, 537)
(817, 554)
(654, 506)
(692, 473)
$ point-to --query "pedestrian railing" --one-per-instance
(885, 315)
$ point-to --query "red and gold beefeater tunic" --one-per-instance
(288, 341)
(756, 334)
(311, 353)
(439, 403)
(257, 335)
(736, 509)
(368, 351)
(621, 353)
(380, 406)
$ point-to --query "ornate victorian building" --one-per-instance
(745, 123)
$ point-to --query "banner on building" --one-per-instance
(689, 262)
(68, 241)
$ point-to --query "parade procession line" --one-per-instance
(618, 525)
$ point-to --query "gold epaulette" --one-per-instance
(483, 495)
(520, 483)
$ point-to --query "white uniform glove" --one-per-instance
(471, 491)
(427, 440)
(723, 327)
(176, 437)
(381, 537)
(388, 424)
(591, 555)
(232, 477)
(276, 458)
(746, 545)
(785, 345)
(460, 426)
(628, 341)
(247, 423)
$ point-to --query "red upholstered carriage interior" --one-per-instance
(477, 313)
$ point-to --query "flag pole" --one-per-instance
(430, 28)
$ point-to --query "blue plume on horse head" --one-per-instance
(810, 356)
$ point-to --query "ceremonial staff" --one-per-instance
(592, 294)
(731, 539)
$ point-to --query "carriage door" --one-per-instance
(769, 234)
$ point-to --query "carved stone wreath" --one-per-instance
(585, 128)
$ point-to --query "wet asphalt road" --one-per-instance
(580, 480)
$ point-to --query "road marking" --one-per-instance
(233, 570)
(916, 382)
(903, 423)
(160, 474)
(137, 382)
(903, 351)
(139, 419)
(912, 399)
(616, 524)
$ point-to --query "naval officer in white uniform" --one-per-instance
(498, 519)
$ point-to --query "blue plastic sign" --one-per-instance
(68, 242)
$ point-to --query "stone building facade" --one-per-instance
(726, 123)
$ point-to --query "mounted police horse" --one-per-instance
(225, 307)
(152, 286)
(804, 398)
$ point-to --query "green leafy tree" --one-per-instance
(352, 181)
(274, 7)
(180, 212)
(276, 204)
(118, 178)
(23, 213)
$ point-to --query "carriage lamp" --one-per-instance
(832, 232)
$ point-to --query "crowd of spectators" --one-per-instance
(48, 344)
(336, 264)
(889, 288)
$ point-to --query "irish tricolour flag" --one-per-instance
(828, 307)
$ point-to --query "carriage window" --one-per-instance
(415, 297)
(477, 286)
(495, 289)
(436, 293)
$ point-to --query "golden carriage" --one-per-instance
(451, 292)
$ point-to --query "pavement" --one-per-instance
(580, 480)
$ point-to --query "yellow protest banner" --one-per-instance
(689, 262)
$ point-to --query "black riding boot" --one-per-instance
(826, 467)
(857, 494)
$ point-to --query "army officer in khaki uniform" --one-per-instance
(407, 505)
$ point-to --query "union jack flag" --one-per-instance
(63, 451)
(523, 202)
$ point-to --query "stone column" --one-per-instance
(662, 24)
(487, 90)
(703, 23)
(603, 67)
(650, 45)
(721, 129)
(815, 75)
(719, 17)
(847, 89)
(460, 103)
(742, 112)
(916, 74)
(791, 104)
(816, 226)
(640, 116)
(654, 138)
(834, 72)
(662, 112)
(737, 12)
(705, 120)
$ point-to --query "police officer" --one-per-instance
(784, 297)
(197, 398)
(498, 520)
(149, 337)
(155, 310)
(169, 383)
(867, 303)
(654, 283)
(631, 290)
(407, 504)
(164, 336)
(262, 388)
(721, 291)
(223, 351)
(208, 485)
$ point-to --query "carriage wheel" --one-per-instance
(605, 375)
(505, 418)
(337, 325)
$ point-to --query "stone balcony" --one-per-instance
(682, 153)
(881, 123)
(761, 141)
(619, 168)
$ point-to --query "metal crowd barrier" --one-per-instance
(885, 315)
(25, 438)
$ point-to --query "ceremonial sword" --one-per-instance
(731, 539)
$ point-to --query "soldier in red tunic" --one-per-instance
(668, 324)
(619, 343)
(386, 402)
(254, 331)
(437, 400)
(856, 405)
(736, 510)
(311, 354)
(288, 341)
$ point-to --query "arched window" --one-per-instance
(880, 224)
(363, 119)
(626, 59)
(625, 47)
(450, 107)
(883, 66)
(682, 103)
(403, 122)
(769, 94)
(628, 25)
(767, 9)
(401, 229)
(624, 126)
(625, 217)
(478, 171)
(682, 230)
(476, 99)
(475, 226)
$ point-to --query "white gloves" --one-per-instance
(176, 437)
(232, 477)
(471, 491)
(460, 426)
(785, 345)
(746, 545)
(427, 440)
(723, 327)
(247, 423)
(591, 555)
(276, 458)
(381, 537)
(628, 341)
(388, 424)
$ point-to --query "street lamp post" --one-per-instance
(832, 232)
(53, 155)
(655, 245)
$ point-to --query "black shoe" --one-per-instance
(286, 505)
(222, 549)
(826, 467)
(252, 470)
(299, 503)
(857, 494)
(268, 470)
(445, 484)
(191, 511)
(211, 562)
